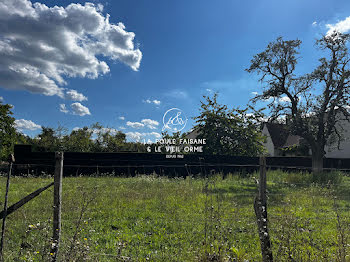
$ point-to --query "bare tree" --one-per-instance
(313, 103)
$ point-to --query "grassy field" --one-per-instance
(150, 218)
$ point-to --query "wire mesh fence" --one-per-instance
(209, 217)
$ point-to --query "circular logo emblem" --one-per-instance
(174, 120)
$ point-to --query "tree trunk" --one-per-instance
(317, 160)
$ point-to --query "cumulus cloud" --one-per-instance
(75, 96)
(284, 99)
(136, 125)
(79, 109)
(155, 134)
(342, 26)
(121, 118)
(1, 99)
(314, 23)
(137, 136)
(152, 124)
(22, 124)
(155, 101)
(63, 108)
(40, 46)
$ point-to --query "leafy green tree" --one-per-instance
(108, 139)
(79, 140)
(47, 140)
(228, 131)
(314, 103)
(113, 141)
(87, 139)
(8, 132)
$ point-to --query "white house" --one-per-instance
(278, 138)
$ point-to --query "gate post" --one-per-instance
(57, 201)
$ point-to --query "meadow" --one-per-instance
(152, 218)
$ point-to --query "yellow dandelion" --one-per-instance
(51, 254)
(31, 226)
(37, 252)
(85, 238)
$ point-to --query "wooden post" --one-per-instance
(57, 205)
(260, 207)
(11, 160)
(262, 181)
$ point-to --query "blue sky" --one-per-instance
(180, 51)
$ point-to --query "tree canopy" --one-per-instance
(228, 131)
(7, 131)
(315, 102)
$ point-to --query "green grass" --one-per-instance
(149, 218)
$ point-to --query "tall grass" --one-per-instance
(152, 218)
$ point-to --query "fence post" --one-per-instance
(11, 160)
(260, 207)
(262, 181)
(57, 205)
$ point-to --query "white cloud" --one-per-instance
(121, 118)
(254, 93)
(155, 134)
(152, 124)
(342, 26)
(75, 96)
(79, 109)
(40, 46)
(135, 124)
(314, 23)
(155, 101)
(1, 99)
(63, 108)
(122, 128)
(137, 136)
(22, 124)
(284, 99)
